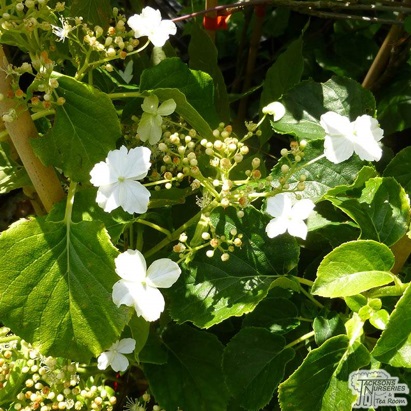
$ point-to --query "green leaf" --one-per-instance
(394, 345)
(12, 174)
(327, 326)
(86, 128)
(381, 210)
(85, 208)
(210, 290)
(56, 287)
(192, 378)
(400, 168)
(278, 315)
(253, 364)
(394, 111)
(321, 175)
(15, 381)
(281, 76)
(197, 86)
(352, 268)
(186, 110)
(203, 56)
(321, 382)
(308, 100)
(96, 12)
(140, 330)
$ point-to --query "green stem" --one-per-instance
(128, 94)
(311, 298)
(174, 236)
(304, 281)
(4, 340)
(155, 227)
(298, 340)
(69, 203)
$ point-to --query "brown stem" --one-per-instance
(21, 130)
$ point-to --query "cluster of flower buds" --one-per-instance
(293, 157)
(48, 383)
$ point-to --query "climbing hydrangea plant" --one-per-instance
(168, 247)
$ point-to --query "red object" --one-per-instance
(216, 23)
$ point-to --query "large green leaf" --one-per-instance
(197, 86)
(96, 12)
(278, 315)
(308, 100)
(12, 174)
(381, 209)
(210, 290)
(281, 76)
(320, 175)
(86, 127)
(321, 382)
(352, 268)
(192, 378)
(56, 284)
(253, 365)
(186, 110)
(203, 56)
(400, 168)
(394, 345)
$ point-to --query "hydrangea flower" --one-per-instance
(114, 355)
(344, 138)
(275, 109)
(150, 24)
(288, 217)
(149, 127)
(116, 179)
(139, 286)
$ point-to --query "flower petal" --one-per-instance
(124, 293)
(131, 266)
(126, 345)
(149, 303)
(135, 164)
(150, 104)
(335, 124)
(278, 205)
(297, 228)
(367, 125)
(338, 148)
(133, 197)
(119, 362)
(167, 107)
(163, 273)
(276, 109)
(107, 197)
(302, 209)
(276, 227)
(102, 175)
(105, 359)
(149, 128)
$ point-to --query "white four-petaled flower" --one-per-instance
(139, 286)
(344, 138)
(288, 217)
(150, 24)
(116, 180)
(149, 127)
(114, 355)
(276, 109)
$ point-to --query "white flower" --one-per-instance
(114, 355)
(138, 287)
(275, 109)
(149, 24)
(116, 179)
(344, 138)
(288, 217)
(62, 32)
(149, 127)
